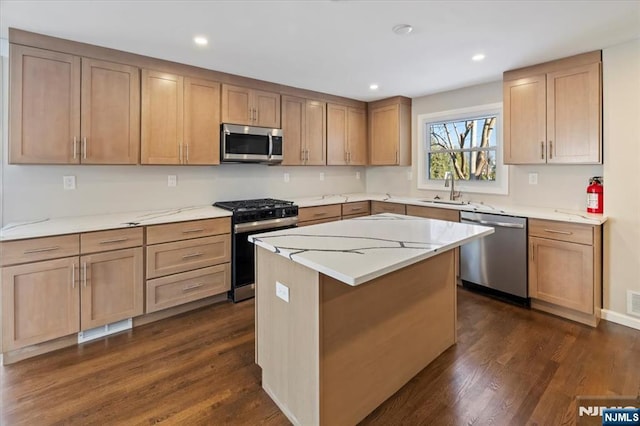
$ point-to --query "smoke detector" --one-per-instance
(402, 29)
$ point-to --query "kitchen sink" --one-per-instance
(454, 202)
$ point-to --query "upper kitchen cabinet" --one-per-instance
(553, 112)
(48, 124)
(390, 132)
(304, 126)
(347, 135)
(241, 105)
(180, 119)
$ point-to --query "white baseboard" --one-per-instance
(621, 319)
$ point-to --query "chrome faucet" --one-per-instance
(453, 194)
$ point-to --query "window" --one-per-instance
(468, 144)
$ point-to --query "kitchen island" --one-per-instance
(348, 312)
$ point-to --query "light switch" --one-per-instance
(69, 182)
(172, 180)
(358, 175)
(321, 175)
(282, 291)
(286, 177)
(533, 178)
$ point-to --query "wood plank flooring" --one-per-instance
(510, 366)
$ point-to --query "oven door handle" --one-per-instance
(265, 224)
(270, 146)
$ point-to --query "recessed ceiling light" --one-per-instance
(373, 86)
(478, 57)
(402, 29)
(200, 40)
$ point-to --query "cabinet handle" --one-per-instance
(75, 147)
(115, 240)
(192, 231)
(41, 250)
(550, 149)
(302, 155)
(349, 157)
(306, 155)
(555, 231)
(320, 214)
(532, 252)
(542, 150)
(84, 147)
(397, 157)
(189, 256)
(346, 157)
(180, 157)
(73, 276)
(187, 152)
(192, 286)
(84, 273)
(257, 115)
(356, 209)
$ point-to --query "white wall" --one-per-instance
(558, 186)
(621, 80)
(33, 192)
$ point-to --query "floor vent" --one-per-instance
(633, 303)
(105, 330)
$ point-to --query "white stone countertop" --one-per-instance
(531, 212)
(73, 224)
(358, 250)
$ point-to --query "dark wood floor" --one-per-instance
(510, 366)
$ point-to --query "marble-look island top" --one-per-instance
(357, 250)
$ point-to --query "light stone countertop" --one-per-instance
(74, 224)
(531, 212)
(355, 251)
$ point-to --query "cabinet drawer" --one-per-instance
(182, 256)
(177, 289)
(114, 239)
(562, 231)
(185, 230)
(320, 212)
(316, 222)
(434, 213)
(351, 216)
(384, 207)
(360, 207)
(23, 251)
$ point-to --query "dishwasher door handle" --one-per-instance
(491, 223)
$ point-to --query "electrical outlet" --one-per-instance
(69, 182)
(286, 177)
(172, 180)
(410, 175)
(282, 291)
(533, 178)
(321, 175)
(358, 175)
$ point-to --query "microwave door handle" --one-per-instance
(270, 146)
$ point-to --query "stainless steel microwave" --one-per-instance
(247, 144)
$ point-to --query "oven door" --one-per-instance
(242, 265)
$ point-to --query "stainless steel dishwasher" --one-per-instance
(496, 264)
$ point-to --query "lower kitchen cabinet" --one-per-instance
(40, 302)
(565, 274)
(111, 287)
(384, 207)
(186, 287)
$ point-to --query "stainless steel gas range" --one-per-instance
(252, 217)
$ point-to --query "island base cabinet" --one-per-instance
(334, 352)
(40, 302)
(112, 287)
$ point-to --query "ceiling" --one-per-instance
(341, 47)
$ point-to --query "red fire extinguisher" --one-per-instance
(595, 195)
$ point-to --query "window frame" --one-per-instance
(499, 186)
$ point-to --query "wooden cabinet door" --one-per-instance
(40, 302)
(236, 105)
(337, 149)
(45, 106)
(384, 134)
(111, 287)
(574, 97)
(162, 117)
(266, 106)
(293, 129)
(525, 127)
(201, 122)
(110, 121)
(561, 273)
(357, 136)
(315, 133)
